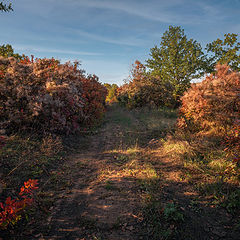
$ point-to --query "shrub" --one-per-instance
(144, 89)
(232, 143)
(45, 95)
(212, 108)
(112, 93)
(212, 104)
(12, 208)
(94, 94)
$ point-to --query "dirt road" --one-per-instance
(124, 187)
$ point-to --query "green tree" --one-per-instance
(176, 62)
(7, 51)
(5, 7)
(224, 51)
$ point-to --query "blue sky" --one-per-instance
(107, 36)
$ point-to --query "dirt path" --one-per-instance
(123, 183)
(99, 206)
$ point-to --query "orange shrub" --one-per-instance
(212, 104)
(10, 211)
(48, 96)
(144, 89)
(213, 107)
(94, 94)
(232, 143)
(133, 94)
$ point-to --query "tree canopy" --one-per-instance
(224, 51)
(5, 7)
(7, 51)
(171, 67)
(112, 91)
(177, 60)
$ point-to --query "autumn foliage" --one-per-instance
(94, 94)
(232, 143)
(112, 93)
(131, 94)
(213, 103)
(143, 89)
(45, 95)
(213, 107)
(135, 93)
(11, 210)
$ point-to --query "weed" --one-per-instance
(121, 159)
(194, 205)
(172, 213)
(110, 186)
(232, 203)
(161, 222)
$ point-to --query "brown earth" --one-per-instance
(117, 174)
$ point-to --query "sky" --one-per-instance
(107, 36)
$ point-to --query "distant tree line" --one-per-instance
(170, 69)
(112, 92)
(172, 66)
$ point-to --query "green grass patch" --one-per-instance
(161, 222)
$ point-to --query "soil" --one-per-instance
(105, 203)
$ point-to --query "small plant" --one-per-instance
(172, 213)
(110, 186)
(13, 208)
(233, 201)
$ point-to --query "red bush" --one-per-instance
(144, 89)
(12, 208)
(46, 95)
(94, 94)
(213, 107)
(213, 103)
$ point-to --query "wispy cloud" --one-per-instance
(51, 50)
(159, 11)
(137, 8)
(108, 35)
(129, 41)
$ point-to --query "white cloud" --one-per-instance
(156, 10)
(141, 9)
(51, 50)
(129, 41)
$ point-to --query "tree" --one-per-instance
(177, 61)
(224, 51)
(144, 89)
(7, 51)
(112, 92)
(5, 8)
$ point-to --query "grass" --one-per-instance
(22, 158)
(110, 186)
(138, 127)
(116, 116)
(131, 160)
(205, 167)
(161, 222)
(31, 157)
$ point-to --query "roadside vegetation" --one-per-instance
(168, 146)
